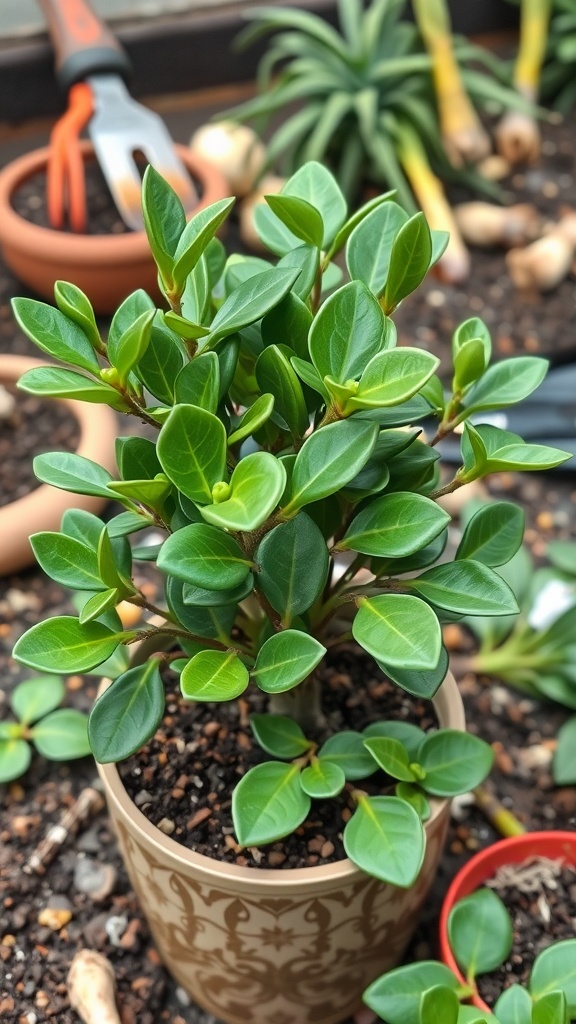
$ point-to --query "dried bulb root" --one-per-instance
(543, 265)
(92, 988)
(518, 138)
(484, 224)
(235, 149)
(270, 184)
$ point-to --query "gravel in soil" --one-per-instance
(33, 427)
(35, 957)
(540, 896)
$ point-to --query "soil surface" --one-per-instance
(102, 216)
(84, 897)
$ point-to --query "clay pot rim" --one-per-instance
(49, 243)
(450, 710)
(512, 850)
(98, 427)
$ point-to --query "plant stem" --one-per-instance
(303, 704)
(505, 823)
(448, 488)
(534, 18)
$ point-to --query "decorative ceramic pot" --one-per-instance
(481, 867)
(106, 267)
(43, 508)
(271, 946)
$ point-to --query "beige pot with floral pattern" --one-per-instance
(273, 946)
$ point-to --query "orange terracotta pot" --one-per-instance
(43, 508)
(273, 946)
(106, 267)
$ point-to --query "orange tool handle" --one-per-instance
(83, 44)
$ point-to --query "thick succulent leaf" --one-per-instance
(63, 644)
(455, 762)
(62, 735)
(399, 630)
(347, 331)
(268, 803)
(480, 932)
(395, 525)
(255, 488)
(385, 838)
(214, 676)
(279, 735)
(329, 459)
(286, 659)
(396, 995)
(205, 556)
(191, 448)
(293, 566)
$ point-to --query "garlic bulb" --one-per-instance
(235, 149)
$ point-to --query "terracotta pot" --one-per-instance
(106, 267)
(270, 946)
(43, 508)
(481, 867)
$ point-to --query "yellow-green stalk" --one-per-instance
(518, 135)
(454, 266)
(505, 823)
(465, 140)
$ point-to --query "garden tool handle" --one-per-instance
(84, 45)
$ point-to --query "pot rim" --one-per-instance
(98, 428)
(448, 706)
(49, 243)
(512, 850)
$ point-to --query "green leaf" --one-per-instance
(400, 630)
(498, 451)
(274, 374)
(288, 324)
(299, 216)
(204, 556)
(15, 757)
(356, 218)
(97, 604)
(54, 333)
(73, 473)
(395, 525)
(555, 968)
(132, 344)
(346, 333)
(322, 780)
(152, 493)
(200, 597)
(420, 684)
(328, 459)
(564, 764)
(268, 803)
(469, 365)
(253, 419)
(466, 587)
(62, 735)
(195, 237)
(414, 796)
(67, 561)
(470, 330)
(62, 644)
(214, 622)
(198, 383)
(311, 377)
(306, 259)
(493, 534)
(35, 698)
(439, 1005)
(164, 221)
(551, 1009)
(514, 1006)
(346, 749)
(480, 932)
(385, 838)
(279, 735)
(251, 301)
(293, 562)
(214, 676)
(410, 736)
(369, 247)
(455, 762)
(255, 488)
(285, 659)
(54, 382)
(191, 448)
(392, 756)
(161, 362)
(136, 458)
(562, 555)
(72, 301)
(396, 995)
(409, 261)
(392, 377)
(506, 383)
(314, 183)
(127, 714)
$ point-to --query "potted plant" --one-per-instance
(106, 266)
(279, 470)
(476, 938)
(43, 507)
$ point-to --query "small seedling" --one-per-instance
(59, 734)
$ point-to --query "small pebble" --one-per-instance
(167, 826)
(115, 927)
(94, 879)
(56, 914)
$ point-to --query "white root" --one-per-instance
(543, 265)
(518, 138)
(235, 149)
(270, 184)
(92, 988)
(485, 225)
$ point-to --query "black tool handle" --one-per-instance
(83, 44)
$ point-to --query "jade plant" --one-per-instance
(381, 101)
(481, 939)
(60, 734)
(535, 650)
(286, 457)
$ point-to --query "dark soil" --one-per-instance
(210, 747)
(102, 216)
(540, 896)
(34, 426)
(35, 957)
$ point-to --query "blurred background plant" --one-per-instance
(59, 734)
(559, 74)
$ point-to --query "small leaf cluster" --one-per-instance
(481, 936)
(59, 734)
(384, 836)
(557, 82)
(279, 467)
(535, 650)
(364, 95)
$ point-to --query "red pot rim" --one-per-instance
(483, 865)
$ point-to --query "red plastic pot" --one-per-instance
(515, 850)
